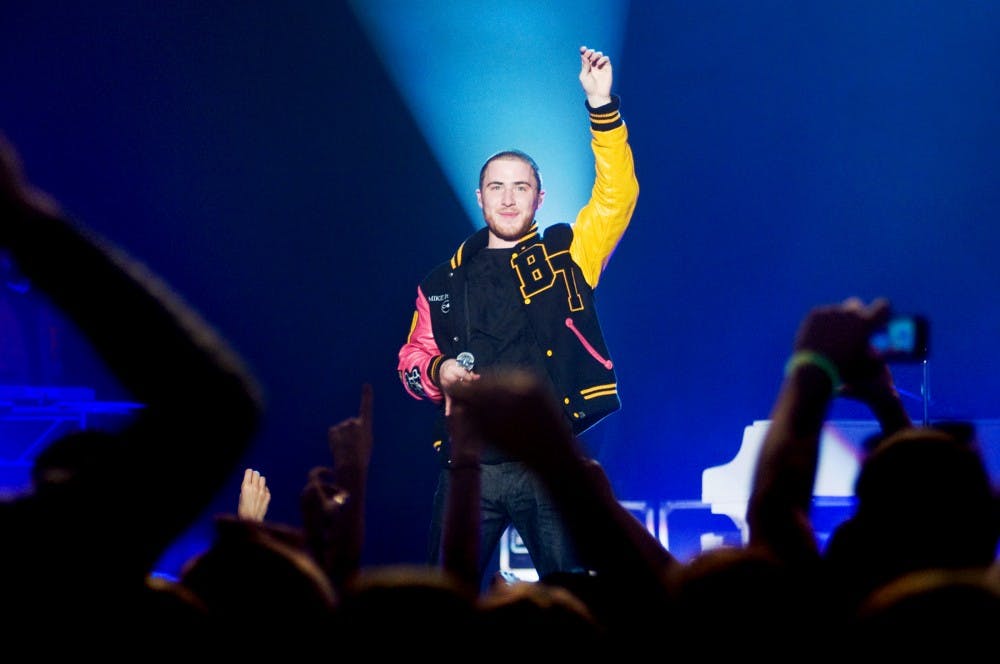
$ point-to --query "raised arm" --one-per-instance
(600, 224)
(333, 500)
(460, 529)
(201, 404)
(879, 393)
(831, 348)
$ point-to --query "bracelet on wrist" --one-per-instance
(803, 358)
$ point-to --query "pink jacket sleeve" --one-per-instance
(420, 357)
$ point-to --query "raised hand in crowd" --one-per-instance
(925, 501)
(831, 348)
(333, 499)
(255, 496)
(460, 554)
(97, 519)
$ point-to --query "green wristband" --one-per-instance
(804, 357)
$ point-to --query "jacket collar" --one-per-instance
(478, 240)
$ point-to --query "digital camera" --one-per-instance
(903, 339)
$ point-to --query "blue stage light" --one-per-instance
(480, 77)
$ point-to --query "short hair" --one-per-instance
(512, 154)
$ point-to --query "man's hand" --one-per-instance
(841, 333)
(451, 374)
(333, 500)
(321, 498)
(254, 496)
(351, 439)
(595, 76)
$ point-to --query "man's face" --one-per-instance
(509, 198)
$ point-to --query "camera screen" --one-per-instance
(905, 337)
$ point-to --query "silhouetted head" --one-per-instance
(931, 613)
(924, 500)
(406, 610)
(255, 580)
(543, 611)
(729, 596)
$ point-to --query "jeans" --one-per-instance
(511, 495)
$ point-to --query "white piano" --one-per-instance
(726, 488)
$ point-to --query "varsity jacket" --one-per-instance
(557, 272)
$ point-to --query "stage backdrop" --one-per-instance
(261, 158)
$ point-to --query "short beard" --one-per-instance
(511, 237)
